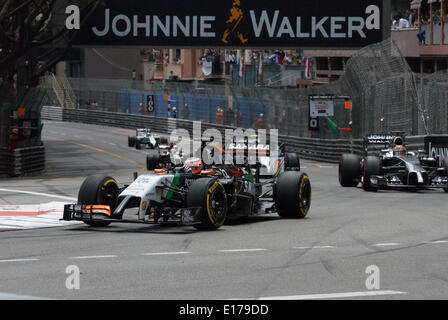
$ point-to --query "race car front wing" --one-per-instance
(390, 183)
(94, 213)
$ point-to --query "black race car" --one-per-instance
(172, 156)
(192, 193)
(392, 167)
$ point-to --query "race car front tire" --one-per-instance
(292, 162)
(138, 145)
(209, 195)
(372, 167)
(292, 194)
(131, 141)
(152, 160)
(100, 190)
(349, 170)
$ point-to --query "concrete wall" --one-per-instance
(111, 63)
(328, 53)
(190, 67)
(407, 42)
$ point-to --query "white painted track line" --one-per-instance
(12, 296)
(435, 242)
(94, 257)
(315, 247)
(342, 295)
(20, 260)
(386, 244)
(40, 194)
(165, 253)
(5, 226)
(44, 215)
(242, 250)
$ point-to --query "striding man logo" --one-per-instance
(236, 15)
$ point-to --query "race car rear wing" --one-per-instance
(378, 139)
(375, 142)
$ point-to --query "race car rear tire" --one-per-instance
(211, 197)
(349, 170)
(292, 162)
(292, 194)
(152, 160)
(101, 190)
(372, 167)
(131, 141)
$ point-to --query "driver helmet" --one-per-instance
(398, 147)
(193, 165)
(399, 150)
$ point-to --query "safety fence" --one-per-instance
(326, 150)
(434, 90)
(382, 87)
(22, 161)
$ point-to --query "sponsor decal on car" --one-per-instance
(379, 138)
(242, 146)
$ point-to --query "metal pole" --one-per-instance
(432, 24)
(442, 16)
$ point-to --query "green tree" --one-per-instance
(33, 39)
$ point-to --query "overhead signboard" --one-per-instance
(233, 23)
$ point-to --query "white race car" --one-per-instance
(144, 137)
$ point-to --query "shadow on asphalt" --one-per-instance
(167, 228)
(250, 220)
(403, 190)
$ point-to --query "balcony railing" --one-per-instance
(433, 36)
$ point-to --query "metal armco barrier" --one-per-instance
(121, 120)
(6, 160)
(312, 149)
(51, 113)
(22, 161)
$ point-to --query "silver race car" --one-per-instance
(392, 167)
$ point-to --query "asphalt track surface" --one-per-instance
(404, 234)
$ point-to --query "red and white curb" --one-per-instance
(46, 215)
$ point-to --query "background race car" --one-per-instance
(145, 138)
(392, 167)
(269, 166)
